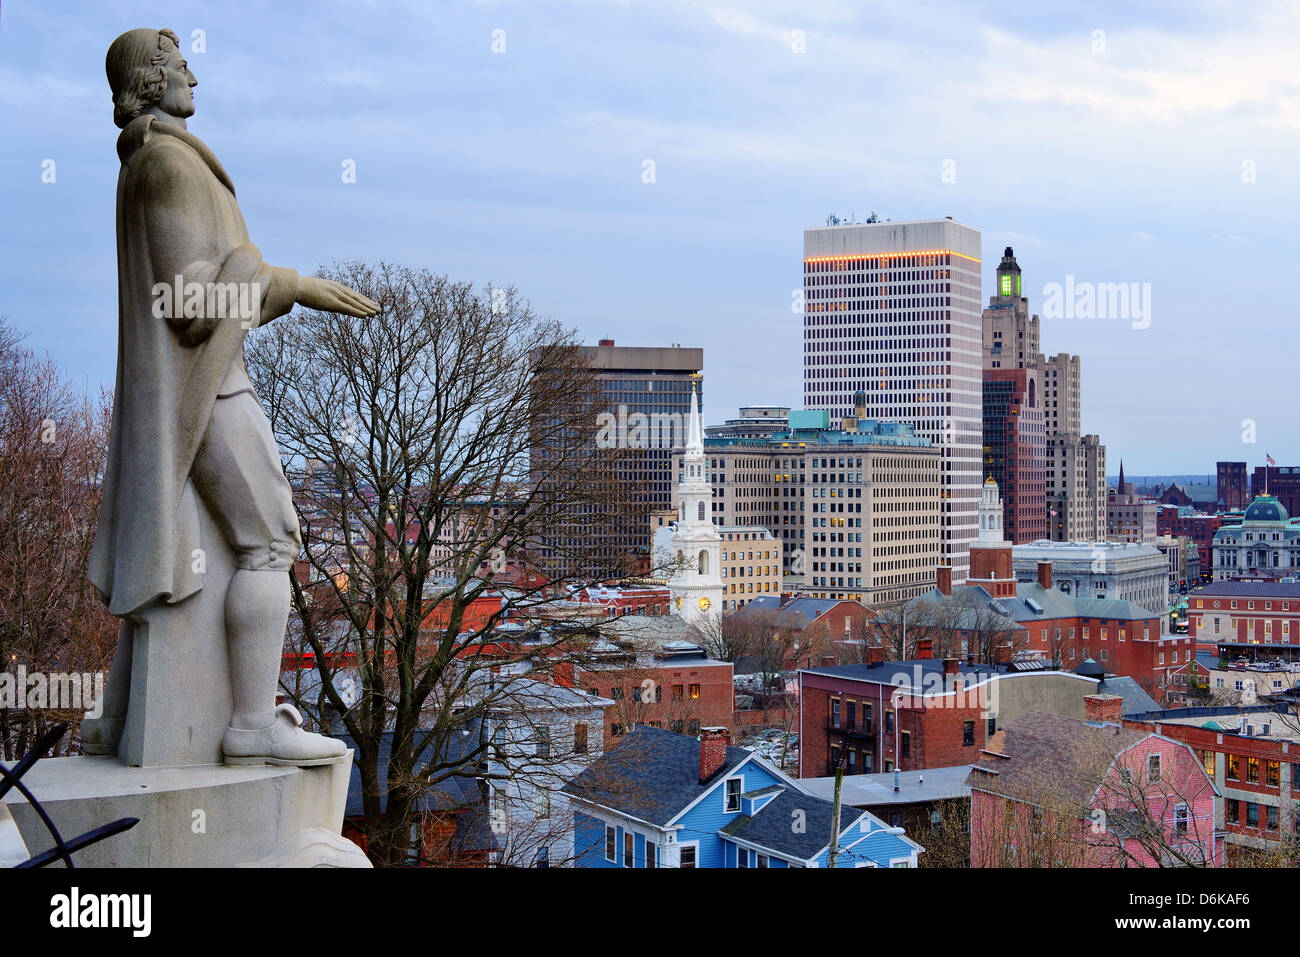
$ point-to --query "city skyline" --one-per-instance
(1111, 158)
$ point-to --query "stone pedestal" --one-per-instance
(180, 700)
(213, 816)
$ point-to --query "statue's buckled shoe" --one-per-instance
(283, 741)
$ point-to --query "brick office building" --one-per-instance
(1233, 487)
(1247, 619)
(945, 710)
(1283, 482)
(656, 676)
(1055, 626)
(1186, 522)
(1015, 450)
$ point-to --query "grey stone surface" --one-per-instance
(212, 816)
(13, 849)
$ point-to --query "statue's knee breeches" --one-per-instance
(237, 473)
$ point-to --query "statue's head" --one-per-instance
(146, 70)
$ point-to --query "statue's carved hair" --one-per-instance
(136, 71)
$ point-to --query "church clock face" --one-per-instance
(704, 604)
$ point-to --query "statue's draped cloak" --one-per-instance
(176, 215)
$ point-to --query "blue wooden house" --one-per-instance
(662, 799)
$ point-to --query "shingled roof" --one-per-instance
(652, 775)
(770, 827)
(1045, 754)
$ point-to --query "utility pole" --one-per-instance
(835, 817)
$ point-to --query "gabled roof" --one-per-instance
(1136, 700)
(1032, 602)
(771, 828)
(796, 613)
(977, 609)
(651, 775)
(1046, 754)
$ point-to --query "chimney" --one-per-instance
(606, 342)
(924, 649)
(1045, 574)
(1103, 708)
(713, 751)
(944, 581)
(875, 655)
(950, 666)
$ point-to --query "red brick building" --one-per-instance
(1246, 619)
(1062, 629)
(1233, 487)
(848, 714)
(677, 688)
(626, 599)
(1197, 527)
(1282, 481)
(817, 624)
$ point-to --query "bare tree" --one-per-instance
(946, 835)
(898, 627)
(52, 447)
(425, 444)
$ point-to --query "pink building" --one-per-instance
(1050, 791)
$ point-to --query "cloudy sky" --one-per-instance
(1112, 142)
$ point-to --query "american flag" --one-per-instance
(1269, 459)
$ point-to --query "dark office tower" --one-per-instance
(1015, 451)
(645, 405)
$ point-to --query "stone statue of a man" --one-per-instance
(186, 421)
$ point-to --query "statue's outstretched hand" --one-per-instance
(330, 296)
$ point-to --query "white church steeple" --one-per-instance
(696, 583)
(990, 512)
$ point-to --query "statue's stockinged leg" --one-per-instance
(257, 609)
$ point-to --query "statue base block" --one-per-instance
(198, 816)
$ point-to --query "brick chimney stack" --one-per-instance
(924, 649)
(1103, 708)
(875, 655)
(950, 666)
(713, 751)
(944, 581)
(1045, 575)
(606, 343)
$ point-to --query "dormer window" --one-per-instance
(732, 794)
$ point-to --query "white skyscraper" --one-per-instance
(893, 310)
(696, 546)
